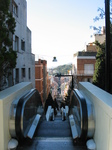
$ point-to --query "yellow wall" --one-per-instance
(6, 98)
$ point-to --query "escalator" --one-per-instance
(52, 135)
(25, 113)
(57, 134)
(82, 112)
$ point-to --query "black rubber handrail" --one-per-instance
(20, 106)
(83, 111)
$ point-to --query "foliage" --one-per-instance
(101, 15)
(99, 75)
(7, 28)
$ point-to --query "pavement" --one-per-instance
(52, 135)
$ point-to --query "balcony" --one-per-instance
(84, 72)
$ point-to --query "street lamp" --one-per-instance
(54, 59)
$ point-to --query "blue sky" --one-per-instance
(61, 27)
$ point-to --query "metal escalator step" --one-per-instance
(51, 144)
(56, 128)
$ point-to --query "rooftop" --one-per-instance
(83, 53)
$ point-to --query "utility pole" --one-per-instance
(107, 48)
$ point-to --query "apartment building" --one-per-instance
(91, 47)
(42, 81)
(25, 67)
(84, 65)
(84, 61)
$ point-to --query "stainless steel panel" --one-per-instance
(91, 119)
(73, 127)
(33, 126)
(12, 115)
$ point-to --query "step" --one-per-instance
(51, 144)
(56, 128)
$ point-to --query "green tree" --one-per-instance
(99, 74)
(7, 28)
(100, 16)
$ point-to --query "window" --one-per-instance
(89, 69)
(22, 45)
(16, 43)
(23, 72)
(17, 75)
(15, 9)
(29, 73)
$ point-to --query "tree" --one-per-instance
(101, 15)
(7, 29)
(99, 74)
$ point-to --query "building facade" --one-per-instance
(25, 67)
(39, 77)
(42, 81)
(84, 66)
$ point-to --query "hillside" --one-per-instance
(63, 69)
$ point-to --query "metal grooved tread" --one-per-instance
(52, 135)
(51, 144)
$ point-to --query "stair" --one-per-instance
(52, 135)
(56, 128)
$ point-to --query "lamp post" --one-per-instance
(107, 48)
(54, 59)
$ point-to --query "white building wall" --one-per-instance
(25, 60)
(99, 37)
(75, 65)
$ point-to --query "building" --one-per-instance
(84, 65)
(39, 77)
(54, 88)
(25, 67)
(42, 81)
(48, 84)
(84, 61)
(91, 47)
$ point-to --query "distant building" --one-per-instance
(100, 37)
(91, 47)
(54, 88)
(25, 68)
(42, 81)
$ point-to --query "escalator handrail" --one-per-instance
(83, 112)
(19, 113)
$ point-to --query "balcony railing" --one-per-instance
(84, 72)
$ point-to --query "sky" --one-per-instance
(60, 28)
